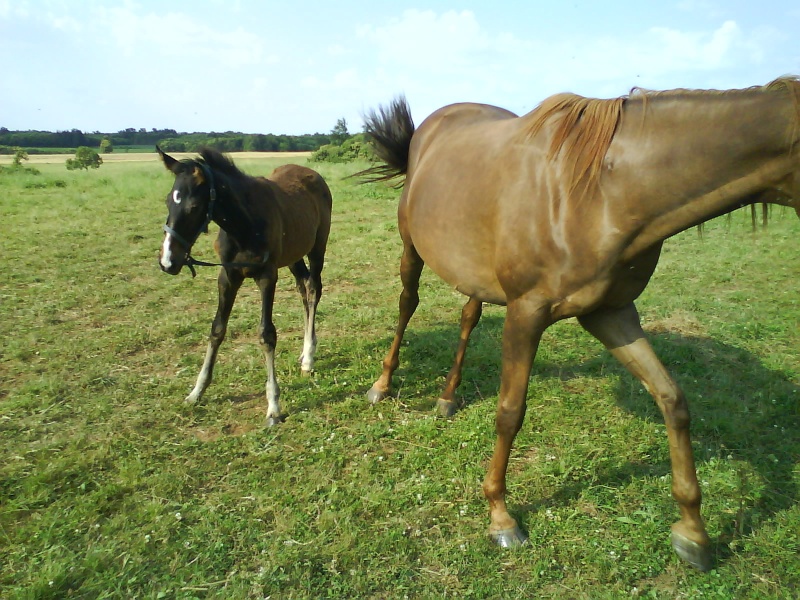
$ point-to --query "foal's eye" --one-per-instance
(176, 197)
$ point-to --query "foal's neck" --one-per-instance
(231, 215)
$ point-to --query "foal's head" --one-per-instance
(189, 205)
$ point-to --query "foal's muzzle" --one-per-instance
(170, 260)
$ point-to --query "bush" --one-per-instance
(85, 158)
(16, 164)
(354, 148)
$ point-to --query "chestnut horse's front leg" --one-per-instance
(228, 284)
(268, 338)
(525, 322)
(621, 332)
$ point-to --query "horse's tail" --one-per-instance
(389, 129)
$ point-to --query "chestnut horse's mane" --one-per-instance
(583, 128)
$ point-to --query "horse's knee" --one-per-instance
(509, 419)
(409, 298)
(315, 289)
(218, 331)
(675, 409)
(267, 336)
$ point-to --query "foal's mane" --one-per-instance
(224, 165)
(219, 161)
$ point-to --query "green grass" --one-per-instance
(111, 487)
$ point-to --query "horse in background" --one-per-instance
(561, 213)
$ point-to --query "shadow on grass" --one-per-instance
(740, 409)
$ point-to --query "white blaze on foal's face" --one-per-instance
(166, 253)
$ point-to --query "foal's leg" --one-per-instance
(470, 315)
(268, 338)
(228, 283)
(309, 285)
(621, 332)
(301, 277)
(525, 322)
(410, 269)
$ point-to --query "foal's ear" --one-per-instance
(198, 175)
(168, 161)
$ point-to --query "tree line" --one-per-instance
(168, 139)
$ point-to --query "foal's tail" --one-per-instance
(390, 130)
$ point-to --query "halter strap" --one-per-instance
(212, 197)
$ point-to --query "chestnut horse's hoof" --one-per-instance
(374, 395)
(447, 408)
(272, 421)
(509, 538)
(693, 553)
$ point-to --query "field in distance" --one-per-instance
(41, 159)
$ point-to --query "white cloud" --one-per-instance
(176, 35)
(11, 9)
(337, 50)
(673, 50)
(426, 39)
(64, 23)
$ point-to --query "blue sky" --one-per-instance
(275, 66)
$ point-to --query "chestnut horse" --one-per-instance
(562, 213)
(265, 224)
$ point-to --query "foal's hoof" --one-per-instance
(693, 553)
(374, 395)
(509, 538)
(306, 365)
(272, 421)
(447, 408)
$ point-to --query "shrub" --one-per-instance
(85, 158)
(353, 148)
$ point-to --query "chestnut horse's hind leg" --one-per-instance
(411, 265)
(268, 338)
(470, 315)
(525, 322)
(621, 332)
(228, 285)
(309, 285)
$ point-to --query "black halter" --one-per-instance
(191, 262)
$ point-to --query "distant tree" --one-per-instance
(19, 156)
(172, 145)
(85, 158)
(106, 147)
(339, 133)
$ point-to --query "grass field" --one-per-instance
(111, 487)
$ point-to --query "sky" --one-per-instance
(296, 67)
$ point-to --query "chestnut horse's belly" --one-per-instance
(459, 250)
